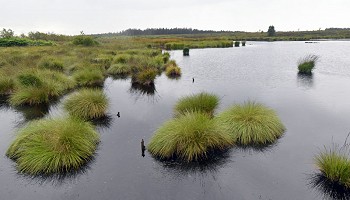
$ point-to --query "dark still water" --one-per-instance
(315, 111)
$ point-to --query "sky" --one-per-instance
(102, 16)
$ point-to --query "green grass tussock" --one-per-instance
(189, 138)
(119, 69)
(252, 124)
(51, 146)
(35, 95)
(39, 87)
(89, 77)
(51, 63)
(7, 85)
(173, 71)
(307, 64)
(87, 104)
(202, 102)
(334, 164)
(145, 77)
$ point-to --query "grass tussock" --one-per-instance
(334, 164)
(119, 69)
(51, 63)
(40, 87)
(252, 124)
(50, 146)
(145, 77)
(7, 85)
(307, 64)
(173, 71)
(89, 77)
(189, 138)
(202, 102)
(87, 104)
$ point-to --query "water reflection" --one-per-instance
(104, 122)
(139, 91)
(33, 112)
(328, 189)
(4, 105)
(305, 80)
(212, 164)
(61, 178)
(257, 148)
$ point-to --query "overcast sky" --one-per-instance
(101, 16)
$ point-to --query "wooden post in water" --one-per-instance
(143, 148)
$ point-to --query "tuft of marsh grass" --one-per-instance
(307, 64)
(190, 137)
(145, 77)
(51, 63)
(35, 95)
(87, 104)
(202, 102)
(173, 71)
(237, 43)
(119, 69)
(53, 146)
(252, 124)
(122, 58)
(39, 87)
(7, 85)
(334, 164)
(89, 77)
(29, 79)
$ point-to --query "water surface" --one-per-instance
(315, 110)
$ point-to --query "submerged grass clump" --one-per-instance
(202, 102)
(334, 164)
(307, 64)
(252, 124)
(50, 146)
(87, 104)
(190, 137)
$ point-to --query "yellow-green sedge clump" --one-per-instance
(252, 124)
(334, 165)
(202, 102)
(87, 104)
(53, 146)
(307, 64)
(190, 137)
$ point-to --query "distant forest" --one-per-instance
(161, 31)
